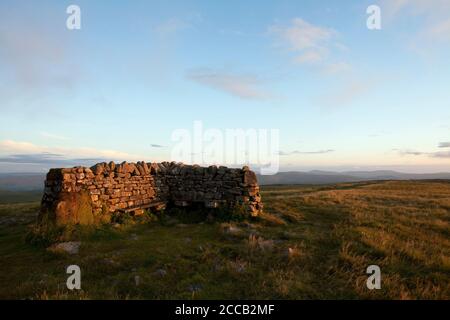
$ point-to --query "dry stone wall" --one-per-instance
(89, 195)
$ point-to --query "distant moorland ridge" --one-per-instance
(35, 181)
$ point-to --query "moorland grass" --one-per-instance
(312, 242)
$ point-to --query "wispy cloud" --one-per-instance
(36, 63)
(438, 31)
(347, 92)
(17, 152)
(52, 136)
(437, 154)
(444, 145)
(245, 86)
(433, 8)
(284, 153)
(319, 47)
(309, 43)
(47, 160)
(410, 152)
(337, 67)
(44, 157)
(435, 26)
(233, 32)
(445, 154)
(174, 25)
(34, 58)
(171, 26)
(157, 146)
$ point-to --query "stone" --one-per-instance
(230, 229)
(71, 247)
(98, 169)
(137, 280)
(195, 287)
(125, 167)
(212, 204)
(68, 208)
(250, 178)
(112, 166)
(161, 272)
(141, 170)
(180, 203)
(134, 236)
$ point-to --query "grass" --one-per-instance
(313, 242)
(7, 196)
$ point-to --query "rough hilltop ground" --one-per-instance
(311, 242)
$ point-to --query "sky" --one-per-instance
(341, 96)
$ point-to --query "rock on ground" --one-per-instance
(71, 247)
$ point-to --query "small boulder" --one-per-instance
(230, 229)
(137, 280)
(161, 272)
(71, 247)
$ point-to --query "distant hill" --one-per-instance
(22, 181)
(35, 181)
(7, 196)
(325, 177)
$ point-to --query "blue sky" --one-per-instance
(343, 97)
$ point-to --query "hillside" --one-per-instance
(312, 242)
(7, 196)
(22, 181)
(35, 181)
(324, 177)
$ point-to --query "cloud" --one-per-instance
(47, 160)
(233, 32)
(174, 25)
(320, 47)
(157, 146)
(347, 93)
(309, 43)
(36, 158)
(310, 57)
(245, 86)
(52, 136)
(26, 152)
(445, 154)
(416, 7)
(410, 152)
(337, 67)
(436, 23)
(438, 31)
(35, 57)
(304, 38)
(36, 61)
(444, 145)
(283, 153)
(170, 27)
(19, 147)
(438, 154)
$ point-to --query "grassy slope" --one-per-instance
(7, 196)
(334, 233)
